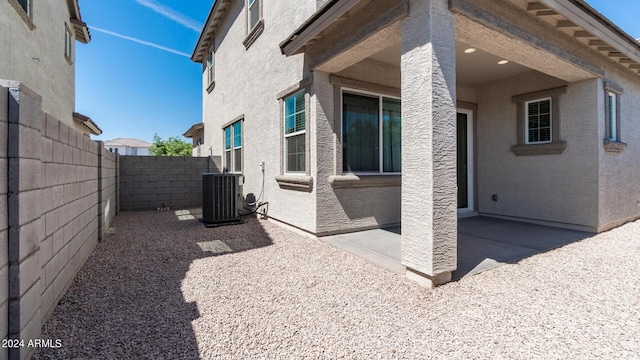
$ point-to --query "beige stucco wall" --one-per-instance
(466, 93)
(619, 190)
(544, 187)
(582, 187)
(609, 190)
(348, 209)
(247, 82)
(36, 57)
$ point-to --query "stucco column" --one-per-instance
(429, 200)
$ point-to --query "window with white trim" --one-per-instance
(233, 148)
(371, 133)
(67, 42)
(295, 133)
(211, 65)
(253, 13)
(538, 121)
(612, 116)
(26, 6)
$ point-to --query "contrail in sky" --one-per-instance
(171, 14)
(147, 43)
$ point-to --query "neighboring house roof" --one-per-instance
(86, 121)
(216, 15)
(127, 142)
(80, 27)
(193, 130)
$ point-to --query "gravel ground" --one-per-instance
(162, 288)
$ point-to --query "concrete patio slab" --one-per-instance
(378, 246)
(483, 243)
(519, 233)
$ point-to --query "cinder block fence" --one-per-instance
(59, 192)
(150, 182)
(54, 206)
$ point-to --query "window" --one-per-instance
(371, 133)
(253, 14)
(233, 148)
(612, 116)
(26, 6)
(134, 151)
(538, 121)
(211, 66)
(295, 133)
(612, 129)
(255, 25)
(67, 43)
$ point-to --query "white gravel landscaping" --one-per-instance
(161, 288)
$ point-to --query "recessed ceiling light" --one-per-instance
(470, 50)
(502, 62)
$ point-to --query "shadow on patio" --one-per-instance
(127, 301)
(483, 243)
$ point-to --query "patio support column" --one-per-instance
(429, 192)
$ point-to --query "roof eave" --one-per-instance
(193, 129)
(608, 23)
(88, 123)
(80, 27)
(82, 31)
(217, 13)
(597, 24)
(316, 23)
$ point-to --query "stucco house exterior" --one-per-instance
(128, 146)
(361, 114)
(41, 45)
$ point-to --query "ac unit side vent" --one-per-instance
(219, 198)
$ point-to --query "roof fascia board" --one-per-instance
(193, 129)
(86, 121)
(590, 22)
(212, 20)
(312, 29)
(80, 27)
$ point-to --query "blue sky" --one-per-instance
(135, 78)
(132, 89)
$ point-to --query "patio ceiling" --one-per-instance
(383, 44)
(557, 63)
(486, 34)
(472, 68)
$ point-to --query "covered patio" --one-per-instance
(483, 243)
(466, 73)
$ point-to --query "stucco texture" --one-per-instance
(247, 82)
(540, 187)
(36, 57)
(619, 188)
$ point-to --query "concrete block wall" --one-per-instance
(69, 207)
(149, 182)
(25, 224)
(108, 188)
(51, 193)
